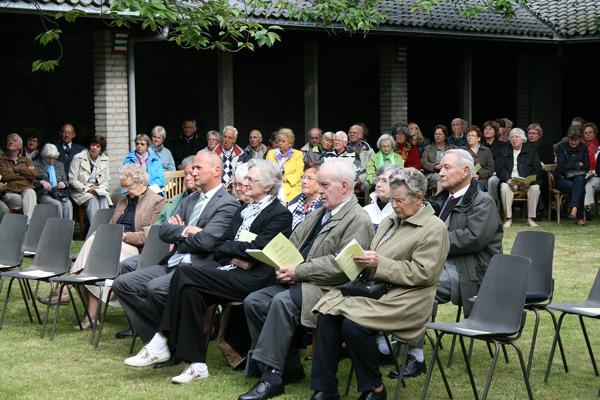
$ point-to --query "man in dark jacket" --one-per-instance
(188, 144)
(66, 147)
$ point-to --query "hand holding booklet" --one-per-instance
(345, 259)
(278, 253)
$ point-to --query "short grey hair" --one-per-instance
(187, 161)
(216, 134)
(517, 132)
(342, 170)
(537, 127)
(270, 175)
(341, 134)
(384, 169)
(385, 137)
(160, 131)
(232, 129)
(135, 172)
(240, 172)
(463, 158)
(411, 178)
(19, 139)
(144, 137)
(50, 151)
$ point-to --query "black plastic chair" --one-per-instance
(539, 248)
(41, 213)
(497, 317)
(590, 309)
(51, 259)
(102, 263)
(12, 232)
(102, 216)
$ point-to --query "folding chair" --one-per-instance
(497, 317)
(41, 213)
(589, 308)
(51, 259)
(12, 232)
(102, 216)
(102, 263)
(539, 248)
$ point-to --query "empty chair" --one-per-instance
(12, 232)
(102, 216)
(41, 213)
(102, 263)
(497, 316)
(589, 308)
(51, 259)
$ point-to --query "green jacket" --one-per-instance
(372, 165)
(170, 207)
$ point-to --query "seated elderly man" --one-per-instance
(274, 313)
(18, 174)
(475, 233)
(255, 148)
(200, 221)
(230, 153)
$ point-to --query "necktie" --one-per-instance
(196, 212)
(448, 207)
(326, 217)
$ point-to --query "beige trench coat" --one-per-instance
(80, 172)
(321, 272)
(411, 259)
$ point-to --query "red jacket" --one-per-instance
(410, 154)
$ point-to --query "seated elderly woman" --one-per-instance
(289, 161)
(327, 143)
(482, 157)
(239, 185)
(159, 135)
(148, 161)
(227, 275)
(432, 156)
(139, 208)
(310, 198)
(407, 253)
(573, 163)
(380, 206)
(89, 177)
(385, 156)
(51, 182)
(519, 160)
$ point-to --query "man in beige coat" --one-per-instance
(274, 313)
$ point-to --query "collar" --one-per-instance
(461, 192)
(212, 191)
(421, 217)
(339, 207)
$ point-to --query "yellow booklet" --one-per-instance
(279, 252)
(345, 259)
(246, 236)
(525, 181)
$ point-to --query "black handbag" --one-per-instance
(365, 286)
(60, 194)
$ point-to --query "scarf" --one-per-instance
(142, 161)
(383, 159)
(282, 158)
(298, 215)
(250, 213)
(592, 147)
(51, 174)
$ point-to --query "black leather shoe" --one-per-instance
(125, 333)
(373, 395)
(412, 368)
(325, 396)
(293, 375)
(169, 363)
(263, 390)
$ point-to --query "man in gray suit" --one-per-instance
(195, 229)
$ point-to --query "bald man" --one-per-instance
(66, 148)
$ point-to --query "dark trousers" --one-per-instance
(191, 292)
(332, 331)
(576, 188)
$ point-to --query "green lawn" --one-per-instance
(69, 368)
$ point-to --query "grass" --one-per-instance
(69, 368)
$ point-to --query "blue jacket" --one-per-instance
(155, 169)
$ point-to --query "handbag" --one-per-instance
(365, 286)
(60, 194)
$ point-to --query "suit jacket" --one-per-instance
(65, 158)
(320, 273)
(214, 221)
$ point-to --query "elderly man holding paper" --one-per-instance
(274, 313)
(407, 257)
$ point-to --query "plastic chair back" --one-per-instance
(154, 249)
(539, 247)
(594, 295)
(103, 258)
(102, 216)
(41, 213)
(12, 232)
(501, 297)
(53, 253)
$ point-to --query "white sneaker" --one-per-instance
(144, 358)
(190, 374)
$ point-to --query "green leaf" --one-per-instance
(44, 65)
(48, 36)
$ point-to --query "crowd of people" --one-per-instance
(429, 231)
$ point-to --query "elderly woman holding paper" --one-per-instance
(228, 276)
(406, 257)
(519, 169)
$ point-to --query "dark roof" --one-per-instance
(540, 19)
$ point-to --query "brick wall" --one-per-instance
(393, 86)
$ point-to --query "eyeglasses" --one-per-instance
(382, 180)
(141, 144)
(308, 178)
(250, 179)
(397, 200)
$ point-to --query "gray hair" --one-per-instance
(240, 172)
(144, 137)
(232, 129)
(216, 134)
(342, 170)
(385, 137)
(159, 130)
(135, 172)
(384, 169)
(50, 151)
(270, 175)
(411, 178)
(12, 135)
(536, 127)
(463, 158)
(519, 132)
(341, 134)
(187, 161)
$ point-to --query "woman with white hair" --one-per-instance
(51, 182)
(159, 135)
(519, 160)
(385, 156)
(230, 274)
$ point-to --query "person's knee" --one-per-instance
(252, 302)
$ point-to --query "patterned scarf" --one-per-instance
(250, 213)
(299, 214)
(282, 158)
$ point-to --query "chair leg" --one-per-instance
(60, 289)
(587, 343)
(451, 355)
(553, 348)
(5, 306)
(505, 353)
(560, 345)
(101, 324)
(533, 340)
(33, 301)
(399, 366)
(440, 366)
(43, 330)
(431, 365)
(23, 293)
(133, 339)
(488, 382)
(523, 370)
(95, 321)
(468, 366)
(86, 313)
